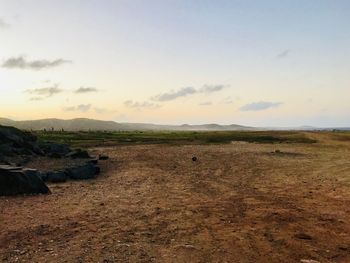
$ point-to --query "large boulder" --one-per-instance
(16, 181)
(86, 171)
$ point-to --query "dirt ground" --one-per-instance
(237, 203)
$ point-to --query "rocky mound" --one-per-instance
(14, 142)
(23, 146)
(17, 142)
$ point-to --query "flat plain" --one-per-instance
(249, 197)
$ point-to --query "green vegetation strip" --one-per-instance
(99, 138)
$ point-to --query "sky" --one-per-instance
(257, 63)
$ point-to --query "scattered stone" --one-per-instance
(194, 158)
(343, 247)
(103, 157)
(15, 181)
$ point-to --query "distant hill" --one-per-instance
(83, 124)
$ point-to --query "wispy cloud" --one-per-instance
(211, 88)
(183, 92)
(81, 108)
(82, 90)
(283, 54)
(3, 24)
(206, 103)
(36, 98)
(22, 63)
(172, 95)
(42, 93)
(227, 100)
(140, 105)
(261, 105)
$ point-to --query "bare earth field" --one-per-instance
(237, 203)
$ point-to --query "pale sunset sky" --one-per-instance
(257, 63)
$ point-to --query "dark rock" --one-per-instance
(97, 170)
(54, 148)
(78, 154)
(36, 149)
(14, 181)
(303, 236)
(23, 161)
(56, 176)
(94, 161)
(43, 176)
(54, 155)
(343, 247)
(14, 141)
(7, 167)
(194, 158)
(30, 172)
(87, 171)
(7, 149)
(15, 136)
(103, 157)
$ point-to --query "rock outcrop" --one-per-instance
(24, 146)
(17, 142)
(16, 181)
(83, 172)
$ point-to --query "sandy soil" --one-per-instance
(238, 203)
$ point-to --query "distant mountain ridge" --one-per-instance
(84, 124)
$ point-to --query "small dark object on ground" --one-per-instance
(303, 236)
(194, 158)
(278, 151)
(103, 157)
